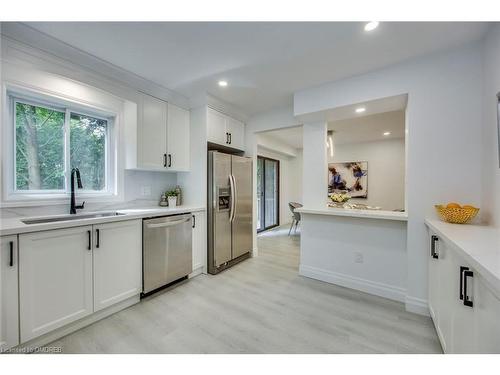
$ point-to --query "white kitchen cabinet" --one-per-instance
(216, 127)
(9, 294)
(487, 322)
(236, 130)
(199, 243)
(117, 262)
(160, 141)
(178, 141)
(153, 133)
(463, 306)
(55, 279)
(225, 130)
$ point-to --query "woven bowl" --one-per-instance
(456, 215)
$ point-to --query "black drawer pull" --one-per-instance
(194, 221)
(230, 138)
(89, 247)
(434, 239)
(165, 160)
(169, 160)
(98, 240)
(462, 270)
(11, 254)
(467, 301)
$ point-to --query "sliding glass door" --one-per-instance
(268, 177)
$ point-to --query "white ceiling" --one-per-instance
(264, 63)
(369, 128)
(356, 129)
(289, 136)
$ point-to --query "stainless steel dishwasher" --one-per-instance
(167, 250)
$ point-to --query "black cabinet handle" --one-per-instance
(467, 301)
(165, 160)
(11, 251)
(227, 138)
(169, 160)
(98, 241)
(462, 270)
(434, 239)
(194, 221)
(89, 247)
(230, 138)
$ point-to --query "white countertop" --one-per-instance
(10, 226)
(479, 245)
(354, 212)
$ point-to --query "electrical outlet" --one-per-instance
(146, 191)
(358, 257)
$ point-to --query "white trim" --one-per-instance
(13, 198)
(417, 306)
(372, 287)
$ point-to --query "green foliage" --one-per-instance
(40, 159)
(171, 193)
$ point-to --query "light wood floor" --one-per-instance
(259, 306)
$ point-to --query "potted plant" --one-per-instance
(172, 198)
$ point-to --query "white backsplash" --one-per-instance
(142, 189)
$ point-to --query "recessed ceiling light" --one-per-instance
(370, 26)
(222, 83)
(360, 109)
(387, 133)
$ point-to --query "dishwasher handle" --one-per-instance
(167, 223)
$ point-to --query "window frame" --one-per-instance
(12, 195)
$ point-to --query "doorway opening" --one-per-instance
(268, 193)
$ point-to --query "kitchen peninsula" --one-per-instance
(354, 248)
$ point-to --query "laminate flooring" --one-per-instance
(261, 305)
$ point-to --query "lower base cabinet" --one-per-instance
(9, 298)
(117, 262)
(67, 274)
(199, 242)
(55, 279)
(463, 307)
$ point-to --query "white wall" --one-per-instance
(443, 144)
(290, 180)
(386, 170)
(490, 164)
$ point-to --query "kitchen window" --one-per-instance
(50, 140)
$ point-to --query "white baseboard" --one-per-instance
(417, 306)
(197, 270)
(372, 287)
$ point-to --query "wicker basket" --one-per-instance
(456, 215)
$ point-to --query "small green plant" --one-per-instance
(171, 193)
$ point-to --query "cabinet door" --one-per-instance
(152, 133)
(216, 127)
(199, 243)
(433, 279)
(178, 143)
(463, 322)
(236, 130)
(117, 262)
(487, 313)
(9, 297)
(447, 285)
(55, 279)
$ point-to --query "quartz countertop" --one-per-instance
(9, 226)
(478, 245)
(355, 212)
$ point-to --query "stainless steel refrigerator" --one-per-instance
(230, 213)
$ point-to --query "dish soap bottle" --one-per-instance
(179, 195)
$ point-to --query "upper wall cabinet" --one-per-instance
(224, 130)
(161, 140)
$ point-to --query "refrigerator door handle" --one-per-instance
(233, 198)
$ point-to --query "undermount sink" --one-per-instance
(53, 219)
